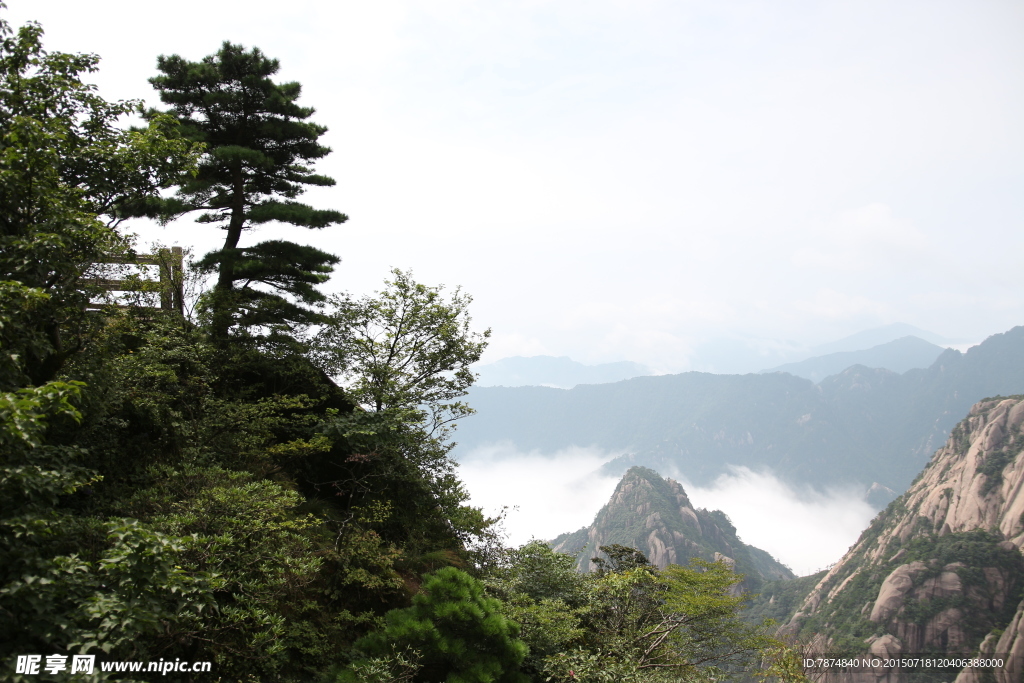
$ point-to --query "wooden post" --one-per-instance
(171, 284)
(171, 294)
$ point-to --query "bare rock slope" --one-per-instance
(655, 516)
(940, 570)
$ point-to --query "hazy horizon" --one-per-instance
(740, 359)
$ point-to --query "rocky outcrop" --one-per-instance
(940, 570)
(655, 516)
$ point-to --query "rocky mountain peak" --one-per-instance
(654, 515)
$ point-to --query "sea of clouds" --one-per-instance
(547, 494)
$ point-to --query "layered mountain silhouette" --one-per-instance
(899, 356)
(863, 426)
(743, 355)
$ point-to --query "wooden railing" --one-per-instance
(169, 285)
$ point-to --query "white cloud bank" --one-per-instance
(546, 494)
(805, 529)
(549, 494)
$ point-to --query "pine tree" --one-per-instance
(459, 634)
(258, 147)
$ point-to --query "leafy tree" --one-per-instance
(394, 465)
(407, 348)
(663, 625)
(460, 633)
(258, 147)
(630, 621)
(64, 163)
(542, 591)
(404, 354)
(537, 571)
(158, 490)
(196, 453)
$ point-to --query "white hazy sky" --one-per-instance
(627, 180)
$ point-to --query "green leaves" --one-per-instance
(459, 633)
(24, 413)
(257, 143)
(64, 163)
(407, 347)
(71, 603)
(628, 622)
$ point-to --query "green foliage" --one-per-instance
(995, 461)
(629, 621)
(258, 143)
(459, 633)
(976, 548)
(63, 163)
(263, 559)
(648, 625)
(779, 600)
(397, 667)
(170, 495)
(539, 573)
(190, 442)
(404, 355)
(70, 603)
(844, 617)
(66, 580)
(783, 662)
(407, 347)
(393, 464)
(542, 592)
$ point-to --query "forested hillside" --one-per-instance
(861, 426)
(257, 477)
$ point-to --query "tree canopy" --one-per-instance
(407, 347)
(66, 166)
(259, 145)
(63, 164)
(459, 634)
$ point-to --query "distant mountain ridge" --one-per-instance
(863, 426)
(900, 355)
(655, 516)
(550, 371)
(878, 336)
(564, 373)
(740, 356)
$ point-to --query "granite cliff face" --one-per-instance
(655, 516)
(940, 570)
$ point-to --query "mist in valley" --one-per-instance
(547, 494)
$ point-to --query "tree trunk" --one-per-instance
(222, 300)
